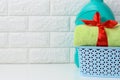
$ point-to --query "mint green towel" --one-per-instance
(85, 35)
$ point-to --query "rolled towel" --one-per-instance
(85, 35)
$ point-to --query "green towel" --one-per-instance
(85, 35)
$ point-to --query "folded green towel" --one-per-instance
(85, 35)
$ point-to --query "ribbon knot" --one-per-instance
(102, 36)
(99, 25)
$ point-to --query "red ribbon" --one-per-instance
(102, 36)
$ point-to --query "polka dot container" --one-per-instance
(99, 61)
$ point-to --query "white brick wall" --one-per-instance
(13, 55)
(28, 7)
(40, 31)
(13, 23)
(49, 23)
(29, 39)
(49, 55)
(61, 39)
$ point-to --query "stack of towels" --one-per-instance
(85, 35)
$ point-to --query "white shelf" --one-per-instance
(42, 72)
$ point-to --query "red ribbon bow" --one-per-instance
(102, 36)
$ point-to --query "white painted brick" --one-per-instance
(3, 40)
(66, 7)
(13, 55)
(13, 23)
(61, 39)
(29, 39)
(114, 5)
(72, 53)
(38, 39)
(72, 23)
(48, 23)
(18, 40)
(49, 55)
(3, 23)
(17, 23)
(3, 7)
(28, 7)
